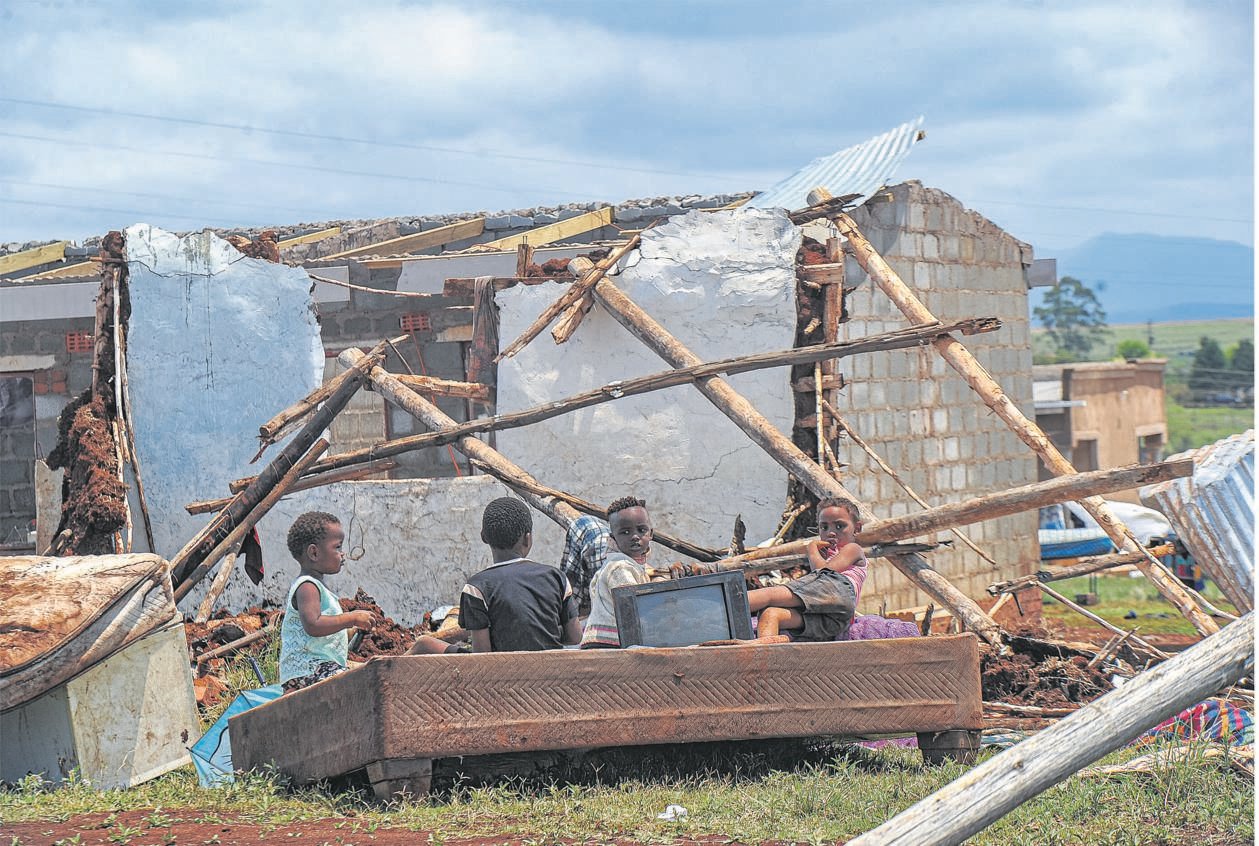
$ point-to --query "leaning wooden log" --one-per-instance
(744, 415)
(1086, 566)
(961, 360)
(575, 313)
(900, 339)
(318, 480)
(237, 535)
(1110, 627)
(240, 642)
(273, 429)
(433, 417)
(1000, 504)
(994, 788)
(217, 586)
(446, 387)
(297, 446)
(699, 553)
(571, 295)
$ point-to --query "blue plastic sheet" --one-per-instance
(212, 754)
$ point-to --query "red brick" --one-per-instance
(41, 388)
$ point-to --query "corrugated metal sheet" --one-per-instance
(1213, 513)
(862, 169)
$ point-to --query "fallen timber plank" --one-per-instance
(962, 361)
(571, 295)
(988, 792)
(414, 243)
(317, 480)
(653, 382)
(447, 387)
(1086, 566)
(34, 257)
(433, 417)
(558, 231)
(426, 707)
(991, 506)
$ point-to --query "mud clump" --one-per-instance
(387, 637)
(1049, 681)
(94, 498)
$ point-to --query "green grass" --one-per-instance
(1189, 428)
(1119, 594)
(835, 796)
(1176, 342)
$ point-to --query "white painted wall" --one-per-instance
(724, 285)
(218, 344)
(418, 541)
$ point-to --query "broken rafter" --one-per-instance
(762, 432)
(653, 382)
(1110, 627)
(1002, 504)
(550, 232)
(570, 296)
(575, 313)
(433, 417)
(700, 553)
(318, 480)
(1083, 568)
(428, 239)
(446, 387)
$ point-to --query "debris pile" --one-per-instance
(387, 637)
(1021, 679)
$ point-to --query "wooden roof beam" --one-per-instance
(34, 257)
(418, 241)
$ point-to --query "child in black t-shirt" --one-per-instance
(516, 605)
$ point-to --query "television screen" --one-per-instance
(684, 617)
(683, 612)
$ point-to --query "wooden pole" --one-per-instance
(447, 387)
(298, 446)
(433, 417)
(641, 385)
(318, 480)
(237, 535)
(221, 578)
(1083, 568)
(572, 294)
(575, 313)
(524, 257)
(961, 360)
(695, 551)
(232, 646)
(781, 449)
(1001, 504)
(1113, 629)
(1002, 783)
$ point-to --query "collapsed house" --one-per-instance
(246, 345)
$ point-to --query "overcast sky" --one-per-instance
(1057, 120)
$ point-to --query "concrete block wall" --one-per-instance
(36, 349)
(914, 410)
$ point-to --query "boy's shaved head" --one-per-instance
(505, 522)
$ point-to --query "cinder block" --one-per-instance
(939, 420)
(878, 395)
(952, 449)
(498, 223)
(930, 247)
(958, 478)
(949, 249)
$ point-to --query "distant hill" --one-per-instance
(1160, 278)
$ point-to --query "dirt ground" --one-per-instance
(177, 827)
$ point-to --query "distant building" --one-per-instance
(1103, 414)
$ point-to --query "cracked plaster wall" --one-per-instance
(218, 343)
(724, 285)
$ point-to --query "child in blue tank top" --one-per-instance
(313, 641)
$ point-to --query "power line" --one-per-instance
(344, 139)
(272, 163)
(208, 200)
(132, 212)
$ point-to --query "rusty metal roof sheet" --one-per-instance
(1213, 513)
(862, 169)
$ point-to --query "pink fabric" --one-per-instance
(857, 575)
(874, 627)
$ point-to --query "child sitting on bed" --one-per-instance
(313, 641)
(630, 525)
(819, 605)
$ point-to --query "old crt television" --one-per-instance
(683, 612)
